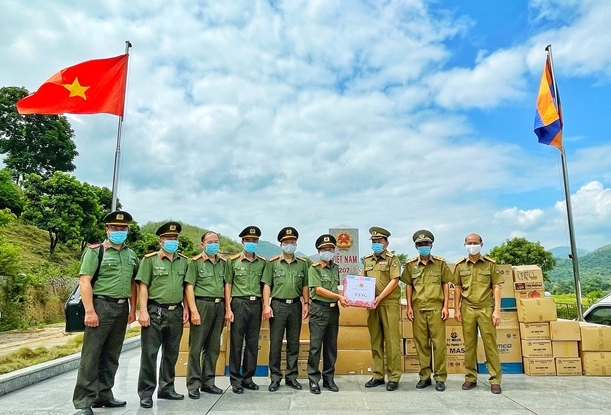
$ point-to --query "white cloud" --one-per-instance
(524, 219)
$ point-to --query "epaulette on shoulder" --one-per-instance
(183, 256)
(277, 257)
(389, 254)
(94, 246)
(150, 254)
(234, 256)
(301, 259)
(222, 258)
(411, 260)
(196, 257)
(463, 259)
(438, 258)
(489, 259)
(315, 264)
(262, 257)
(368, 256)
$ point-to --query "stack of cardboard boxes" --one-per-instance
(535, 316)
(353, 343)
(565, 336)
(595, 348)
(183, 354)
(302, 358)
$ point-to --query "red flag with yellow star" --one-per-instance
(87, 88)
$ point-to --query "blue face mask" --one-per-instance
(117, 237)
(212, 248)
(250, 247)
(377, 247)
(170, 246)
(424, 250)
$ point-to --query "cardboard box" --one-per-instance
(265, 324)
(455, 364)
(506, 368)
(305, 331)
(263, 354)
(527, 274)
(531, 293)
(565, 348)
(409, 347)
(596, 363)
(302, 368)
(540, 366)
(508, 344)
(353, 362)
(451, 298)
(534, 331)
(567, 330)
(536, 310)
(455, 342)
(354, 338)
(220, 364)
(509, 320)
(595, 337)
(184, 340)
(507, 288)
(411, 364)
(407, 329)
(304, 350)
(181, 364)
(359, 290)
(537, 348)
(224, 339)
(451, 321)
(353, 316)
(569, 366)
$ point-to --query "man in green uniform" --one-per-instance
(285, 280)
(383, 319)
(110, 305)
(427, 279)
(162, 315)
(477, 285)
(243, 310)
(323, 279)
(204, 292)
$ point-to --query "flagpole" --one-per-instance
(115, 175)
(567, 197)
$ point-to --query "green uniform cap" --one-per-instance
(423, 236)
(119, 217)
(169, 228)
(377, 232)
(250, 231)
(288, 232)
(325, 240)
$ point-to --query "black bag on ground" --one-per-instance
(75, 312)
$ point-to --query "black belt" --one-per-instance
(325, 303)
(288, 300)
(248, 297)
(110, 299)
(169, 307)
(211, 299)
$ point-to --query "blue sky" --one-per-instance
(403, 114)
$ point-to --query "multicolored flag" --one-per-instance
(548, 115)
(90, 87)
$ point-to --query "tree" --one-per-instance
(10, 194)
(61, 205)
(520, 251)
(40, 144)
(96, 232)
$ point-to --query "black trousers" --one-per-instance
(324, 327)
(244, 338)
(287, 319)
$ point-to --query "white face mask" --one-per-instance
(326, 255)
(289, 249)
(473, 249)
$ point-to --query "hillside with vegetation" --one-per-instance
(594, 270)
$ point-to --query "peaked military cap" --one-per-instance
(288, 232)
(423, 236)
(169, 228)
(377, 232)
(251, 231)
(118, 217)
(325, 240)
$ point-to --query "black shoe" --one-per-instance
(146, 402)
(237, 389)
(193, 394)
(392, 386)
(440, 386)
(330, 385)
(373, 382)
(212, 390)
(423, 384)
(273, 387)
(314, 388)
(109, 403)
(251, 386)
(171, 395)
(84, 411)
(293, 384)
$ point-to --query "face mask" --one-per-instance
(170, 246)
(326, 255)
(117, 237)
(289, 249)
(377, 247)
(424, 250)
(212, 248)
(250, 247)
(473, 249)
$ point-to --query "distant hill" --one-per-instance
(562, 252)
(594, 271)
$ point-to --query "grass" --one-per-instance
(26, 357)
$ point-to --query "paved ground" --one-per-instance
(49, 336)
(521, 395)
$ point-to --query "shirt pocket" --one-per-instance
(484, 278)
(280, 274)
(384, 268)
(160, 272)
(434, 278)
(465, 279)
(240, 272)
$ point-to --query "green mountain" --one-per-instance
(562, 252)
(594, 272)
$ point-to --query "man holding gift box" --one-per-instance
(427, 292)
(383, 319)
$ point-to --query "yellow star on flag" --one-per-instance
(76, 90)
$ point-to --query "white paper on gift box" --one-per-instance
(360, 291)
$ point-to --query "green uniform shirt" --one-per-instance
(207, 278)
(427, 281)
(476, 280)
(286, 279)
(325, 276)
(384, 268)
(164, 277)
(244, 275)
(118, 269)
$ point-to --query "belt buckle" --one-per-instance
(289, 301)
(332, 304)
(217, 300)
(121, 301)
(172, 308)
(252, 298)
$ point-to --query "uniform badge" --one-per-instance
(119, 216)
